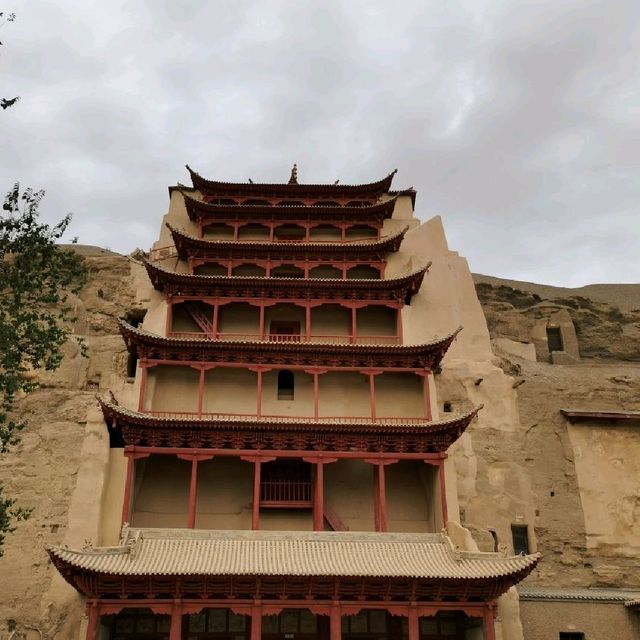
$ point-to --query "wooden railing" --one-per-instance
(278, 337)
(285, 493)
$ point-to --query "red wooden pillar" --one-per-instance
(267, 268)
(443, 490)
(306, 268)
(259, 400)
(169, 324)
(93, 620)
(316, 394)
(216, 314)
(126, 501)
(175, 632)
(230, 268)
(307, 321)
(344, 270)
(261, 326)
(354, 325)
(256, 622)
(193, 493)
(255, 506)
(272, 228)
(399, 331)
(335, 624)
(201, 391)
(380, 498)
(343, 232)
(307, 231)
(318, 498)
(236, 229)
(372, 395)
(489, 625)
(414, 624)
(143, 384)
(426, 396)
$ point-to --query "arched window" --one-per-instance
(285, 385)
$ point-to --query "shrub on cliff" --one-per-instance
(36, 278)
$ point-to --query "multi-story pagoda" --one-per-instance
(282, 469)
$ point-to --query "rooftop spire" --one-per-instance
(294, 174)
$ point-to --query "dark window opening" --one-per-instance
(571, 635)
(281, 331)
(554, 339)
(286, 484)
(520, 536)
(135, 318)
(286, 385)
(447, 407)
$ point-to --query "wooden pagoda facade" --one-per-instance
(281, 361)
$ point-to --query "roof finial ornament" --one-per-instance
(294, 174)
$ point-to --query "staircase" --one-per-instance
(199, 318)
(333, 520)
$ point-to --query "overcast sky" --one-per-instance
(517, 121)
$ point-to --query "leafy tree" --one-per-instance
(36, 278)
(5, 103)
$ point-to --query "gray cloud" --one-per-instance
(516, 120)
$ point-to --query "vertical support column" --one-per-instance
(399, 331)
(343, 232)
(143, 384)
(318, 497)
(261, 326)
(169, 323)
(380, 498)
(216, 315)
(272, 228)
(201, 391)
(315, 394)
(489, 625)
(306, 268)
(256, 622)
(307, 231)
(230, 268)
(414, 623)
(236, 229)
(426, 397)
(259, 400)
(255, 507)
(126, 501)
(175, 632)
(354, 324)
(335, 623)
(307, 321)
(193, 493)
(93, 620)
(372, 395)
(267, 268)
(443, 490)
(344, 270)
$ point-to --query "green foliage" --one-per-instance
(36, 278)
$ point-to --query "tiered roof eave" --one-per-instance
(250, 188)
(417, 357)
(317, 565)
(188, 245)
(132, 428)
(199, 210)
(209, 286)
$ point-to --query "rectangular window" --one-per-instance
(571, 635)
(554, 339)
(520, 535)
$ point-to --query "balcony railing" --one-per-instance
(252, 417)
(278, 337)
(285, 493)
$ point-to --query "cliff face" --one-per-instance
(583, 475)
(41, 472)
